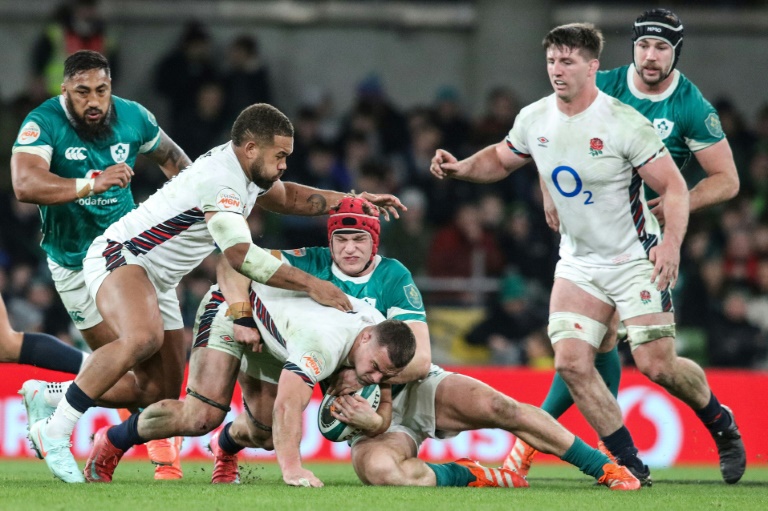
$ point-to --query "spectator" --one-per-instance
(452, 122)
(180, 74)
(732, 340)
(502, 106)
(513, 326)
(408, 239)
(206, 124)
(247, 79)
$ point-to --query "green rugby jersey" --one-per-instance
(68, 229)
(389, 288)
(682, 117)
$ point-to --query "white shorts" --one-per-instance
(413, 409)
(627, 287)
(103, 257)
(70, 285)
(214, 330)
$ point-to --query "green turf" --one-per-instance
(27, 485)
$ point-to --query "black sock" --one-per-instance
(227, 443)
(126, 434)
(713, 416)
(48, 352)
(78, 399)
(622, 446)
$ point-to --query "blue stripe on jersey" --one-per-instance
(638, 215)
(206, 319)
(113, 255)
(163, 232)
(649, 160)
(262, 314)
(666, 301)
(290, 366)
(517, 152)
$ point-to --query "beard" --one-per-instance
(257, 174)
(92, 131)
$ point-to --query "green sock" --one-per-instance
(609, 367)
(559, 398)
(451, 474)
(588, 460)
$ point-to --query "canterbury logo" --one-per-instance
(75, 153)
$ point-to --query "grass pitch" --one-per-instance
(27, 485)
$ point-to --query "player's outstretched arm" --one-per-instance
(293, 396)
(488, 165)
(169, 156)
(34, 182)
(290, 198)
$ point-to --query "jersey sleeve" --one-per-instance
(644, 144)
(220, 191)
(312, 357)
(314, 260)
(35, 136)
(149, 130)
(402, 299)
(702, 126)
(516, 138)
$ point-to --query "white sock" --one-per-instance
(63, 420)
(54, 392)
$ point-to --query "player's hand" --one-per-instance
(115, 175)
(657, 208)
(357, 412)
(248, 336)
(325, 293)
(666, 264)
(344, 382)
(386, 203)
(443, 164)
(302, 477)
(550, 212)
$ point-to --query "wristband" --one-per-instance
(85, 187)
(240, 310)
(246, 321)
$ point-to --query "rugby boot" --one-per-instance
(56, 453)
(603, 449)
(520, 458)
(730, 447)
(165, 454)
(618, 478)
(225, 469)
(103, 458)
(492, 477)
(32, 395)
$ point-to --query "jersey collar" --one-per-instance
(355, 280)
(655, 98)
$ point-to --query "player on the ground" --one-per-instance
(74, 157)
(140, 259)
(689, 126)
(304, 344)
(594, 153)
(428, 408)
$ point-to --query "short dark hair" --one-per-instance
(397, 337)
(576, 36)
(261, 123)
(85, 60)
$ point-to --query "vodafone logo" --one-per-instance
(29, 133)
(75, 153)
(228, 200)
(656, 407)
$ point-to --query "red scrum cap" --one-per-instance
(354, 215)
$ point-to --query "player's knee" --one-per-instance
(142, 345)
(200, 420)
(378, 469)
(502, 408)
(260, 439)
(572, 368)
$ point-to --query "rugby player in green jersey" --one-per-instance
(689, 126)
(74, 157)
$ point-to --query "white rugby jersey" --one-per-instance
(312, 340)
(168, 230)
(589, 163)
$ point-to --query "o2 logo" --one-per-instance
(577, 184)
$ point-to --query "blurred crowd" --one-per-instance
(452, 230)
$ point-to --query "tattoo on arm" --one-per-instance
(167, 152)
(317, 204)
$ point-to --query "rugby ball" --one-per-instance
(335, 430)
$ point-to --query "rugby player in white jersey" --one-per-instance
(594, 153)
(133, 268)
(304, 343)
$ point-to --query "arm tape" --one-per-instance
(230, 229)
